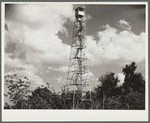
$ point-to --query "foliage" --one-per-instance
(79, 103)
(107, 95)
(18, 88)
(134, 88)
(43, 98)
(7, 106)
(131, 95)
(113, 102)
(106, 87)
(133, 80)
(135, 100)
(108, 83)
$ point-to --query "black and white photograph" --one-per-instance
(74, 57)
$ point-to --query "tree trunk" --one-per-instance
(103, 100)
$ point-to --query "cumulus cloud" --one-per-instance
(91, 74)
(61, 69)
(12, 62)
(60, 80)
(22, 69)
(121, 78)
(118, 47)
(34, 29)
(92, 79)
(124, 24)
(88, 17)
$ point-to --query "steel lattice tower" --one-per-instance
(78, 88)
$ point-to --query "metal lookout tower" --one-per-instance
(78, 94)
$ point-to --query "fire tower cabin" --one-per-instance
(79, 13)
(80, 26)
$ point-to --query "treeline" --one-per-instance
(130, 95)
(107, 95)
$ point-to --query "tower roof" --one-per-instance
(80, 6)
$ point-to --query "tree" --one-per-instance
(133, 80)
(133, 96)
(135, 100)
(18, 89)
(7, 106)
(44, 98)
(129, 69)
(113, 102)
(107, 85)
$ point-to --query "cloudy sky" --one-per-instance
(38, 40)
